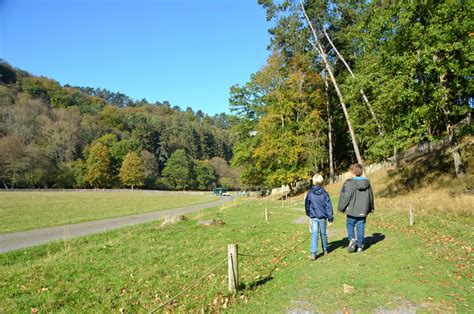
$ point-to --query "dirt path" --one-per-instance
(17, 240)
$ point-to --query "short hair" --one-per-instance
(318, 179)
(356, 169)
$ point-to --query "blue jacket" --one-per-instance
(318, 204)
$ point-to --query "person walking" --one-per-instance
(356, 201)
(318, 208)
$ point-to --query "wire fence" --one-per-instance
(276, 253)
(191, 285)
(454, 223)
(399, 212)
(284, 214)
(292, 244)
(256, 255)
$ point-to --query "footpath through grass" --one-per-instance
(425, 267)
(29, 210)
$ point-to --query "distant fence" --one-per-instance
(368, 170)
(110, 190)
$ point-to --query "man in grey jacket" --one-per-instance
(357, 201)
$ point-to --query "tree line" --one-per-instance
(353, 81)
(54, 136)
(346, 81)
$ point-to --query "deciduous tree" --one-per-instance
(132, 172)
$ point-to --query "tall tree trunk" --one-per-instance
(330, 136)
(364, 97)
(424, 93)
(458, 164)
(319, 49)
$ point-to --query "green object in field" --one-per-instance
(219, 191)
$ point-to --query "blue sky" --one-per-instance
(188, 52)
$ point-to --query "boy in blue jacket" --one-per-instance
(318, 208)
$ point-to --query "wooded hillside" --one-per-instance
(352, 81)
(67, 137)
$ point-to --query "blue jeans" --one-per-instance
(318, 225)
(359, 224)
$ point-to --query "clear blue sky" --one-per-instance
(188, 52)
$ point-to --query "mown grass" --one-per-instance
(422, 268)
(28, 210)
(138, 268)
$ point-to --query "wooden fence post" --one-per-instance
(233, 270)
(412, 216)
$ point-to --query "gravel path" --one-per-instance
(18, 240)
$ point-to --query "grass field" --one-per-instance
(28, 210)
(138, 268)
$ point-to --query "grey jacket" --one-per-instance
(357, 198)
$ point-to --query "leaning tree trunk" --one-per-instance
(330, 136)
(364, 97)
(319, 49)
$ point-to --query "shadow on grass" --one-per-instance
(368, 242)
(269, 276)
(255, 284)
(419, 172)
(373, 239)
(334, 245)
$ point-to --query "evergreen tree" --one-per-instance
(178, 170)
(205, 175)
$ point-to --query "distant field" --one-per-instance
(29, 210)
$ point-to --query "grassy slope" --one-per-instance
(427, 267)
(27, 210)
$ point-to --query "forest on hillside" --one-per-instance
(354, 81)
(54, 136)
(346, 81)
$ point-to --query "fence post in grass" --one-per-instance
(412, 216)
(233, 270)
(266, 214)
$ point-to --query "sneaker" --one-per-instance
(352, 246)
(359, 250)
(313, 256)
(326, 253)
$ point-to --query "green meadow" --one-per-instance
(426, 267)
(29, 210)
